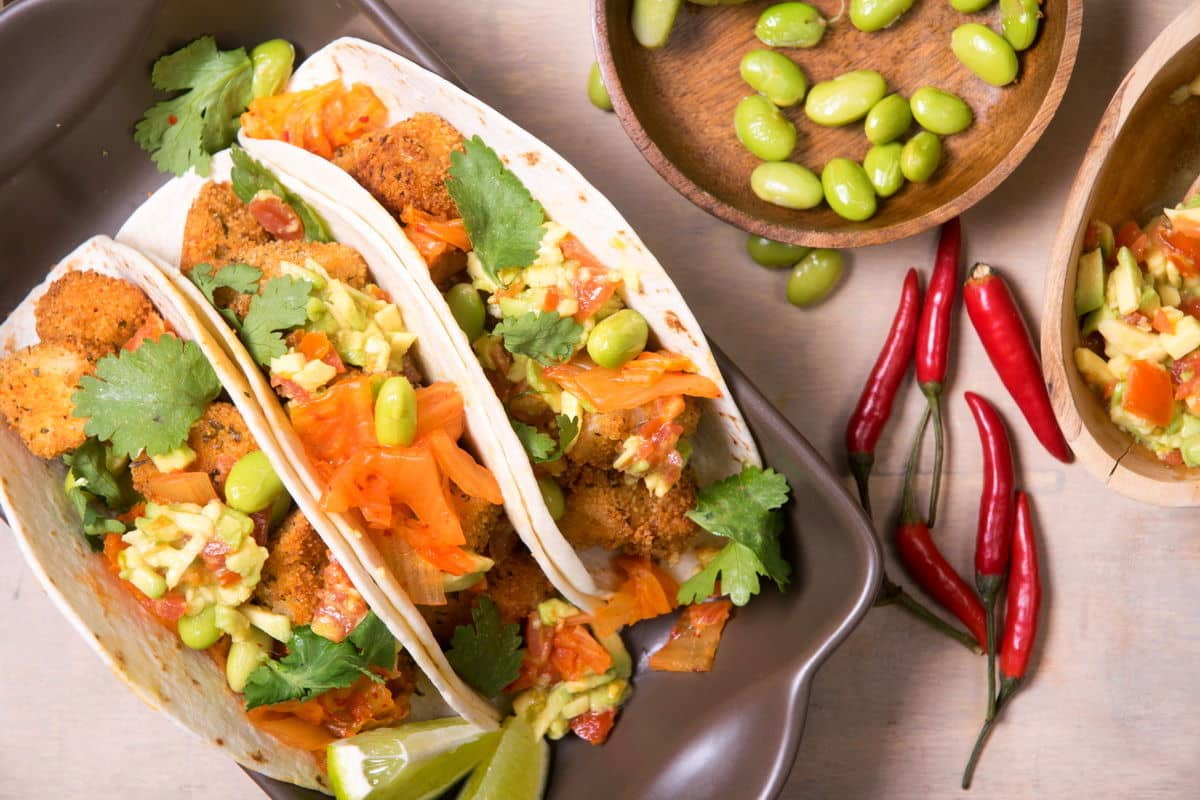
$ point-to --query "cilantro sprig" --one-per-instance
(186, 130)
(281, 306)
(249, 177)
(503, 220)
(487, 654)
(744, 509)
(98, 490)
(241, 278)
(543, 336)
(542, 447)
(148, 398)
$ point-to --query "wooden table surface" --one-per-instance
(1110, 709)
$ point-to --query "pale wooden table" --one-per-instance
(1110, 711)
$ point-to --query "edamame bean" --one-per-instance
(652, 21)
(1019, 22)
(888, 120)
(790, 25)
(774, 75)
(596, 90)
(874, 15)
(814, 277)
(786, 184)
(846, 98)
(466, 306)
(939, 111)
(848, 190)
(985, 52)
(883, 168)
(618, 338)
(764, 131)
(770, 253)
(252, 484)
(921, 156)
(272, 61)
(396, 412)
(969, 6)
(552, 495)
(200, 631)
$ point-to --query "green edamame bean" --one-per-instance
(200, 631)
(940, 112)
(718, 2)
(774, 75)
(874, 15)
(786, 184)
(969, 6)
(652, 21)
(252, 484)
(773, 254)
(846, 98)
(790, 25)
(888, 120)
(272, 61)
(1019, 22)
(985, 52)
(466, 306)
(921, 156)
(848, 190)
(764, 131)
(814, 277)
(883, 168)
(596, 90)
(552, 495)
(618, 338)
(396, 412)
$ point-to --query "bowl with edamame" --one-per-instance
(806, 125)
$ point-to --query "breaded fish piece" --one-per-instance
(218, 226)
(477, 516)
(291, 576)
(36, 385)
(98, 312)
(605, 509)
(516, 584)
(220, 437)
(601, 435)
(339, 260)
(406, 164)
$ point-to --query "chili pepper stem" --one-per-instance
(989, 590)
(1008, 687)
(860, 468)
(933, 393)
(891, 593)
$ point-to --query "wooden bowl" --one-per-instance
(1143, 157)
(677, 104)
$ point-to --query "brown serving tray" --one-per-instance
(76, 78)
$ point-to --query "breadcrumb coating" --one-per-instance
(36, 385)
(96, 312)
(218, 226)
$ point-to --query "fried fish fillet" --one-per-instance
(218, 226)
(36, 385)
(96, 312)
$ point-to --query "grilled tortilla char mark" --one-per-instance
(98, 312)
(218, 226)
(36, 385)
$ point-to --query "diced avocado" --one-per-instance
(312, 272)
(551, 710)
(1168, 294)
(148, 581)
(557, 729)
(1150, 301)
(233, 622)
(1105, 238)
(1089, 283)
(457, 583)
(389, 320)
(1122, 337)
(288, 364)
(1094, 368)
(1091, 323)
(622, 663)
(1190, 448)
(577, 705)
(589, 683)
(313, 375)
(1189, 425)
(552, 610)
(233, 528)
(608, 696)
(1124, 290)
(341, 306)
(245, 657)
(526, 302)
(1184, 339)
(277, 626)
(174, 461)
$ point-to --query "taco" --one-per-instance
(600, 387)
(147, 493)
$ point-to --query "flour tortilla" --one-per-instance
(723, 444)
(185, 684)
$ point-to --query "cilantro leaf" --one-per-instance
(486, 654)
(375, 642)
(313, 665)
(249, 177)
(96, 523)
(744, 509)
(568, 429)
(184, 131)
(89, 465)
(538, 445)
(241, 278)
(542, 335)
(281, 306)
(503, 220)
(148, 398)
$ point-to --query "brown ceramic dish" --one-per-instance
(1143, 157)
(677, 103)
(752, 708)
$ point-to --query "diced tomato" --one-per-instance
(1127, 234)
(1161, 322)
(574, 250)
(1172, 458)
(576, 653)
(315, 346)
(1149, 394)
(1191, 306)
(181, 487)
(594, 726)
(631, 386)
(552, 298)
(320, 120)
(1091, 237)
(692, 646)
(592, 293)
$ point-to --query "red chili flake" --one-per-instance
(364, 119)
(171, 120)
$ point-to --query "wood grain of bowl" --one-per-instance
(676, 104)
(1143, 157)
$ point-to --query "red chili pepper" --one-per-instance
(927, 566)
(878, 395)
(1006, 339)
(993, 538)
(933, 342)
(1020, 622)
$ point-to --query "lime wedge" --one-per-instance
(413, 762)
(516, 770)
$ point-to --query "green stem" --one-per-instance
(860, 468)
(939, 449)
(892, 594)
(908, 511)
(1008, 687)
(989, 616)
